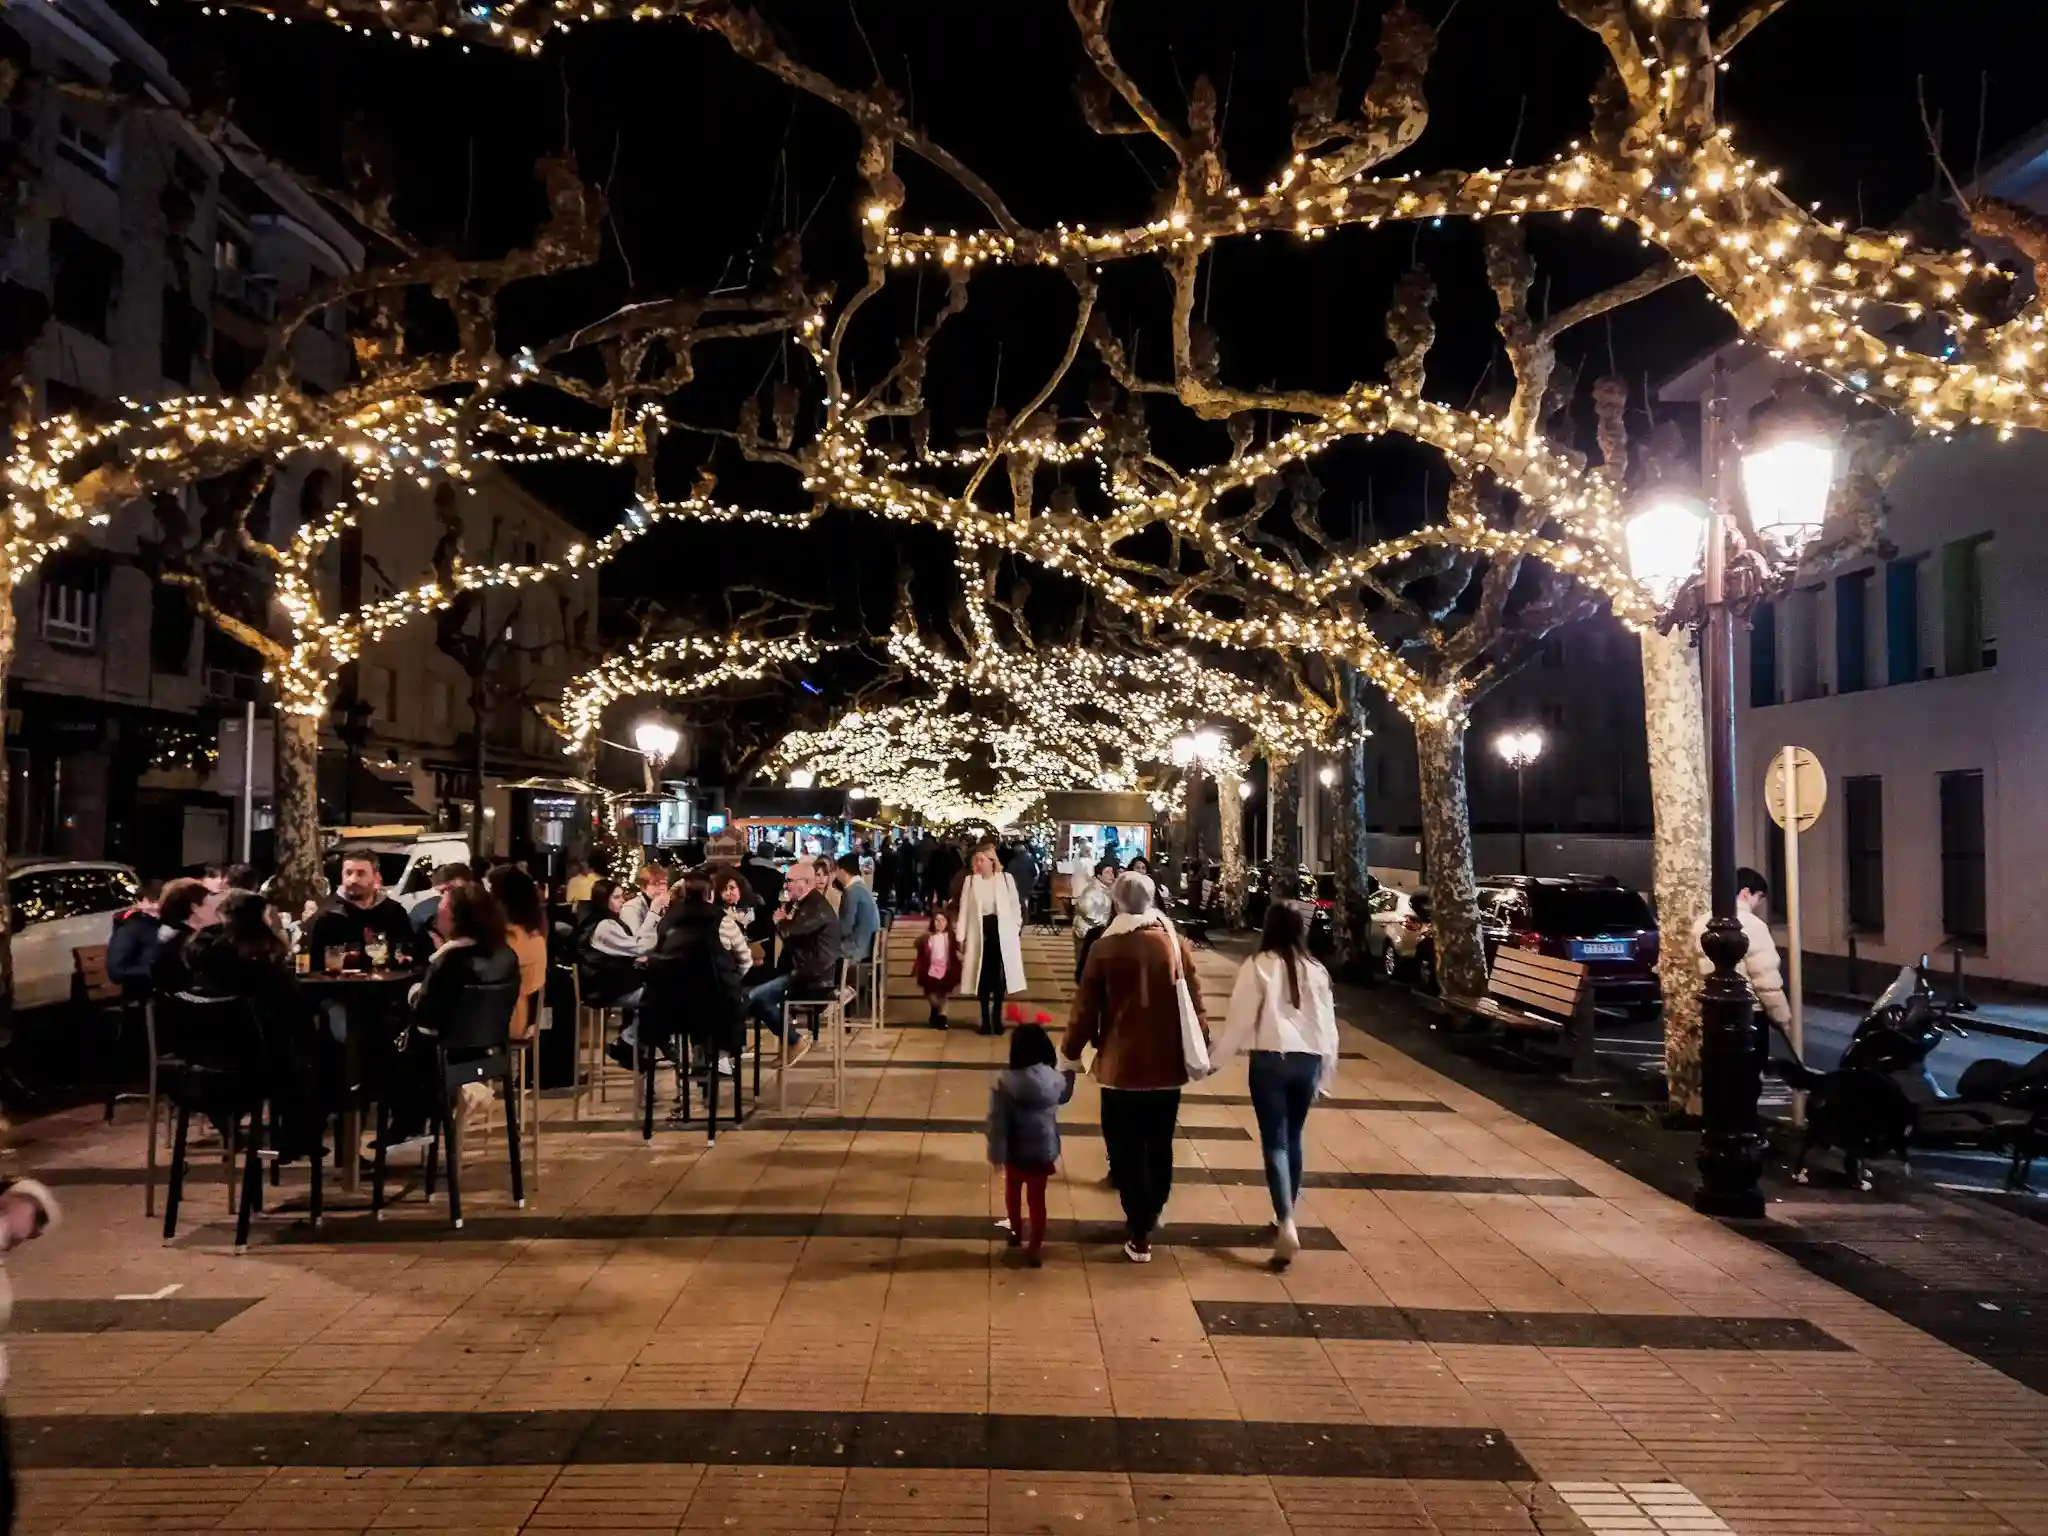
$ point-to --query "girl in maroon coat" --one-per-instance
(938, 966)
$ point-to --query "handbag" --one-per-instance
(1194, 1044)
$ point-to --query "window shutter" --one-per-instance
(1763, 656)
(1902, 621)
(1850, 604)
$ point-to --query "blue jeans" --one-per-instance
(764, 1003)
(1283, 1086)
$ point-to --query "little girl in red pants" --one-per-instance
(1024, 1130)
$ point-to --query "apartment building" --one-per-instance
(163, 259)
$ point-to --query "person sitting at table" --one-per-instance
(242, 956)
(426, 907)
(693, 981)
(360, 912)
(808, 930)
(131, 944)
(526, 930)
(474, 953)
(182, 910)
(641, 913)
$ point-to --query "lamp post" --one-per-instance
(1787, 472)
(1520, 749)
(657, 743)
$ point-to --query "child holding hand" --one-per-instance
(1024, 1130)
(938, 966)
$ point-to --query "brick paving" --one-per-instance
(817, 1330)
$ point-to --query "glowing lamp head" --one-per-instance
(1208, 744)
(1327, 775)
(1519, 748)
(1244, 789)
(1788, 472)
(1665, 538)
(657, 742)
(1183, 750)
(801, 778)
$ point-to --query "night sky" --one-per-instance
(706, 161)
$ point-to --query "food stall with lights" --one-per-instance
(806, 820)
(1092, 825)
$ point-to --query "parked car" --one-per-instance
(1399, 935)
(60, 905)
(1594, 919)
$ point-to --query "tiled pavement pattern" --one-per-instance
(816, 1331)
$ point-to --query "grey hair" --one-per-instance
(1132, 894)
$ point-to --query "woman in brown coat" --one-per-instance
(1128, 1008)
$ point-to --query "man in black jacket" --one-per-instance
(808, 929)
(359, 912)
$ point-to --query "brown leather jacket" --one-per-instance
(1125, 1007)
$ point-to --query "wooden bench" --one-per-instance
(1530, 994)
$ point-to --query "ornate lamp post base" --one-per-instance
(1732, 1145)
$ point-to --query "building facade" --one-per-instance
(162, 259)
(418, 697)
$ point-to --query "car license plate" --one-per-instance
(1602, 949)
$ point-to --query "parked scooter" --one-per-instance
(1882, 1099)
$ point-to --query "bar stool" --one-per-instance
(829, 1014)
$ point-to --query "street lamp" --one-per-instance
(801, 778)
(1244, 789)
(657, 743)
(1327, 775)
(1520, 749)
(1787, 473)
(1194, 753)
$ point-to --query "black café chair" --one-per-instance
(213, 1059)
(472, 1044)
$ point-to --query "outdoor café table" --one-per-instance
(372, 1006)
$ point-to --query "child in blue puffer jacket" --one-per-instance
(1024, 1130)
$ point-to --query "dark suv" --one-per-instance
(1594, 919)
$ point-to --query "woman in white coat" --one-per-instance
(991, 929)
(1281, 1011)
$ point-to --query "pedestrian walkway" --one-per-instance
(813, 1327)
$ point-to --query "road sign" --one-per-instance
(1809, 783)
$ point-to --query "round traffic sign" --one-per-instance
(1809, 787)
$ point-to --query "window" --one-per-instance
(440, 703)
(233, 361)
(1763, 656)
(1902, 621)
(1967, 641)
(1802, 644)
(184, 337)
(1863, 818)
(1852, 610)
(170, 629)
(85, 279)
(71, 606)
(1962, 856)
(45, 895)
(88, 148)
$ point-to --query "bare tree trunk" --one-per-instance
(478, 838)
(1676, 720)
(6, 783)
(1353, 847)
(296, 800)
(1283, 796)
(1230, 817)
(1447, 829)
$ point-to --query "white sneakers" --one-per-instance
(1286, 1243)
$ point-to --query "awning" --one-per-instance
(1108, 808)
(369, 799)
(821, 805)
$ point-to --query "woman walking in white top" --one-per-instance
(991, 929)
(1281, 1012)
